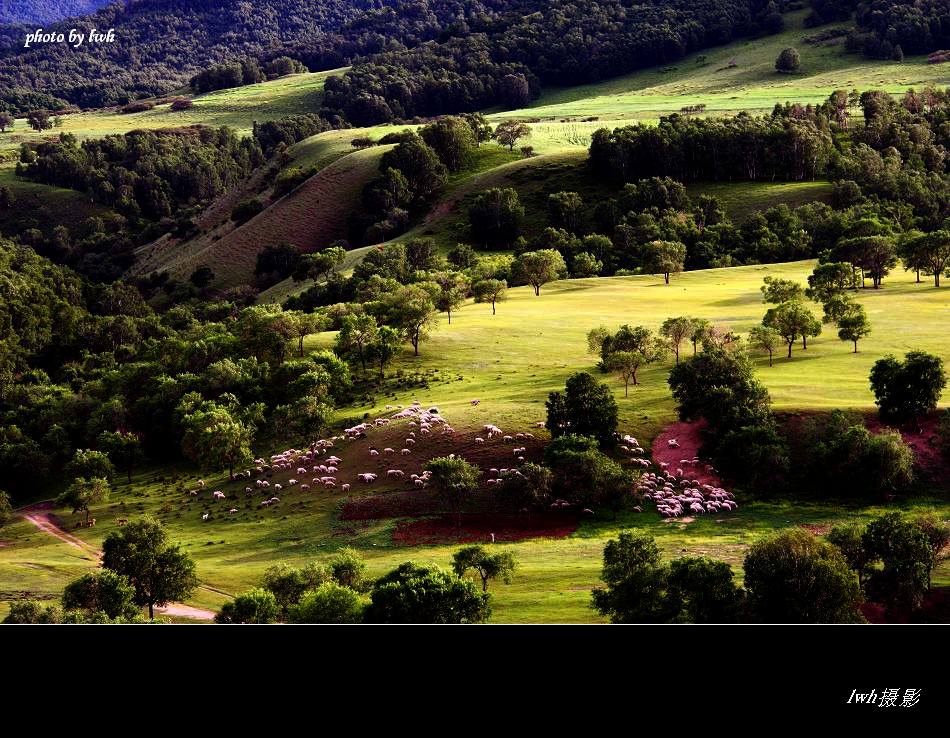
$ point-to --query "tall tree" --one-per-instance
(765, 338)
(677, 330)
(853, 326)
(123, 446)
(160, 573)
(83, 493)
(455, 480)
(664, 257)
(509, 132)
(488, 566)
(490, 290)
(541, 267)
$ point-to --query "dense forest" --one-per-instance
(31, 12)
(888, 29)
(465, 50)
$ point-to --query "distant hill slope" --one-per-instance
(29, 12)
(311, 217)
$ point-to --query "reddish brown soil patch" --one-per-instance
(936, 609)
(477, 528)
(927, 455)
(689, 438)
(817, 530)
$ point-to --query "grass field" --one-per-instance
(237, 107)
(707, 77)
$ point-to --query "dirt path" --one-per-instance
(689, 438)
(40, 515)
(42, 518)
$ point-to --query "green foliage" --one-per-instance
(702, 590)
(257, 606)
(123, 446)
(664, 257)
(455, 480)
(426, 594)
(453, 140)
(906, 555)
(328, 603)
(853, 326)
(347, 569)
(101, 591)
(288, 583)
(765, 338)
(781, 290)
(215, 435)
(528, 489)
(88, 464)
(30, 612)
(509, 132)
(83, 493)
(796, 578)
(490, 290)
(539, 267)
(636, 582)
(905, 390)
(160, 573)
(720, 386)
(788, 61)
(495, 217)
(6, 508)
(792, 320)
(585, 408)
(488, 566)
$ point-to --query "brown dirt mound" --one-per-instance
(689, 438)
(478, 529)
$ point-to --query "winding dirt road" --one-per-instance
(41, 516)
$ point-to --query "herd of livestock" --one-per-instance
(673, 492)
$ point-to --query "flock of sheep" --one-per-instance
(673, 492)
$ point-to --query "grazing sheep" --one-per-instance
(291, 482)
(421, 482)
(232, 511)
(389, 450)
(479, 440)
(405, 452)
(373, 452)
(218, 495)
(201, 483)
(345, 488)
(304, 487)
(410, 441)
(205, 516)
(278, 487)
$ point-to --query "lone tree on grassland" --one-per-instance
(854, 325)
(487, 566)
(6, 121)
(664, 257)
(510, 131)
(541, 267)
(490, 290)
(765, 338)
(159, 573)
(788, 61)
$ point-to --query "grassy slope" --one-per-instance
(752, 85)
(238, 107)
(311, 217)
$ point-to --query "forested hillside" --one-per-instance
(414, 57)
(46, 11)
